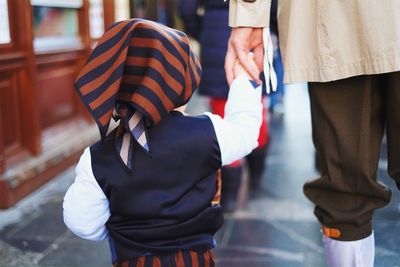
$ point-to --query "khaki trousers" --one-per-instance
(349, 118)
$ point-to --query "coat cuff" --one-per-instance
(249, 14)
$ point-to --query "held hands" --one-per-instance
(238, 68)
(241, 42)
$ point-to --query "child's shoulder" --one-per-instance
(180, 117)
(193, 121)
(178, 124)
(105, 143)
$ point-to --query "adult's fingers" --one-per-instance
(241, 41)
(259, 56)
(247, 39)
(244, 61)
(229, 63)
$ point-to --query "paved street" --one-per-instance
(275, 228)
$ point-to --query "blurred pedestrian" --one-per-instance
(276, 97)
(349, 52)
(207, 21)
(151, 185)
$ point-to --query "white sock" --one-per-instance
(359, 253)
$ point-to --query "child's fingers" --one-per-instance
(245, 62)
(253, 64)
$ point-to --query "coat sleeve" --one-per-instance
(85, 207)
(238, 132)
(249, 14)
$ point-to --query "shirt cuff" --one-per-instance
(246, 14)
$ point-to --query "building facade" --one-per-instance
(43, 45)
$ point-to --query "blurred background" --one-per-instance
(44, 128)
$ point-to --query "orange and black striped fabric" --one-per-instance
(180, 259)
(143, 64)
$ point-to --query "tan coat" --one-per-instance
(325, 40)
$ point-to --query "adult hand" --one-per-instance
(238, 69)
(241, 41)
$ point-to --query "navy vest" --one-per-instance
(164, 205)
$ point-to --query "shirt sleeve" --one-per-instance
(249, 14)
(85, 207)
(238, 132)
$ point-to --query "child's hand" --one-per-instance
(239, 70)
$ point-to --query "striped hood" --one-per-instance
(142, 64)
(142, 70)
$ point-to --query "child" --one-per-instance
(151, 185)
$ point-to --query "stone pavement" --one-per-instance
(273, 229)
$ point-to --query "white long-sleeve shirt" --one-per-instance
(86, 207)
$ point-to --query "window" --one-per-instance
(56, 24)
(58, 3)
(96, 18)
(122, 10)
(5, 37)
